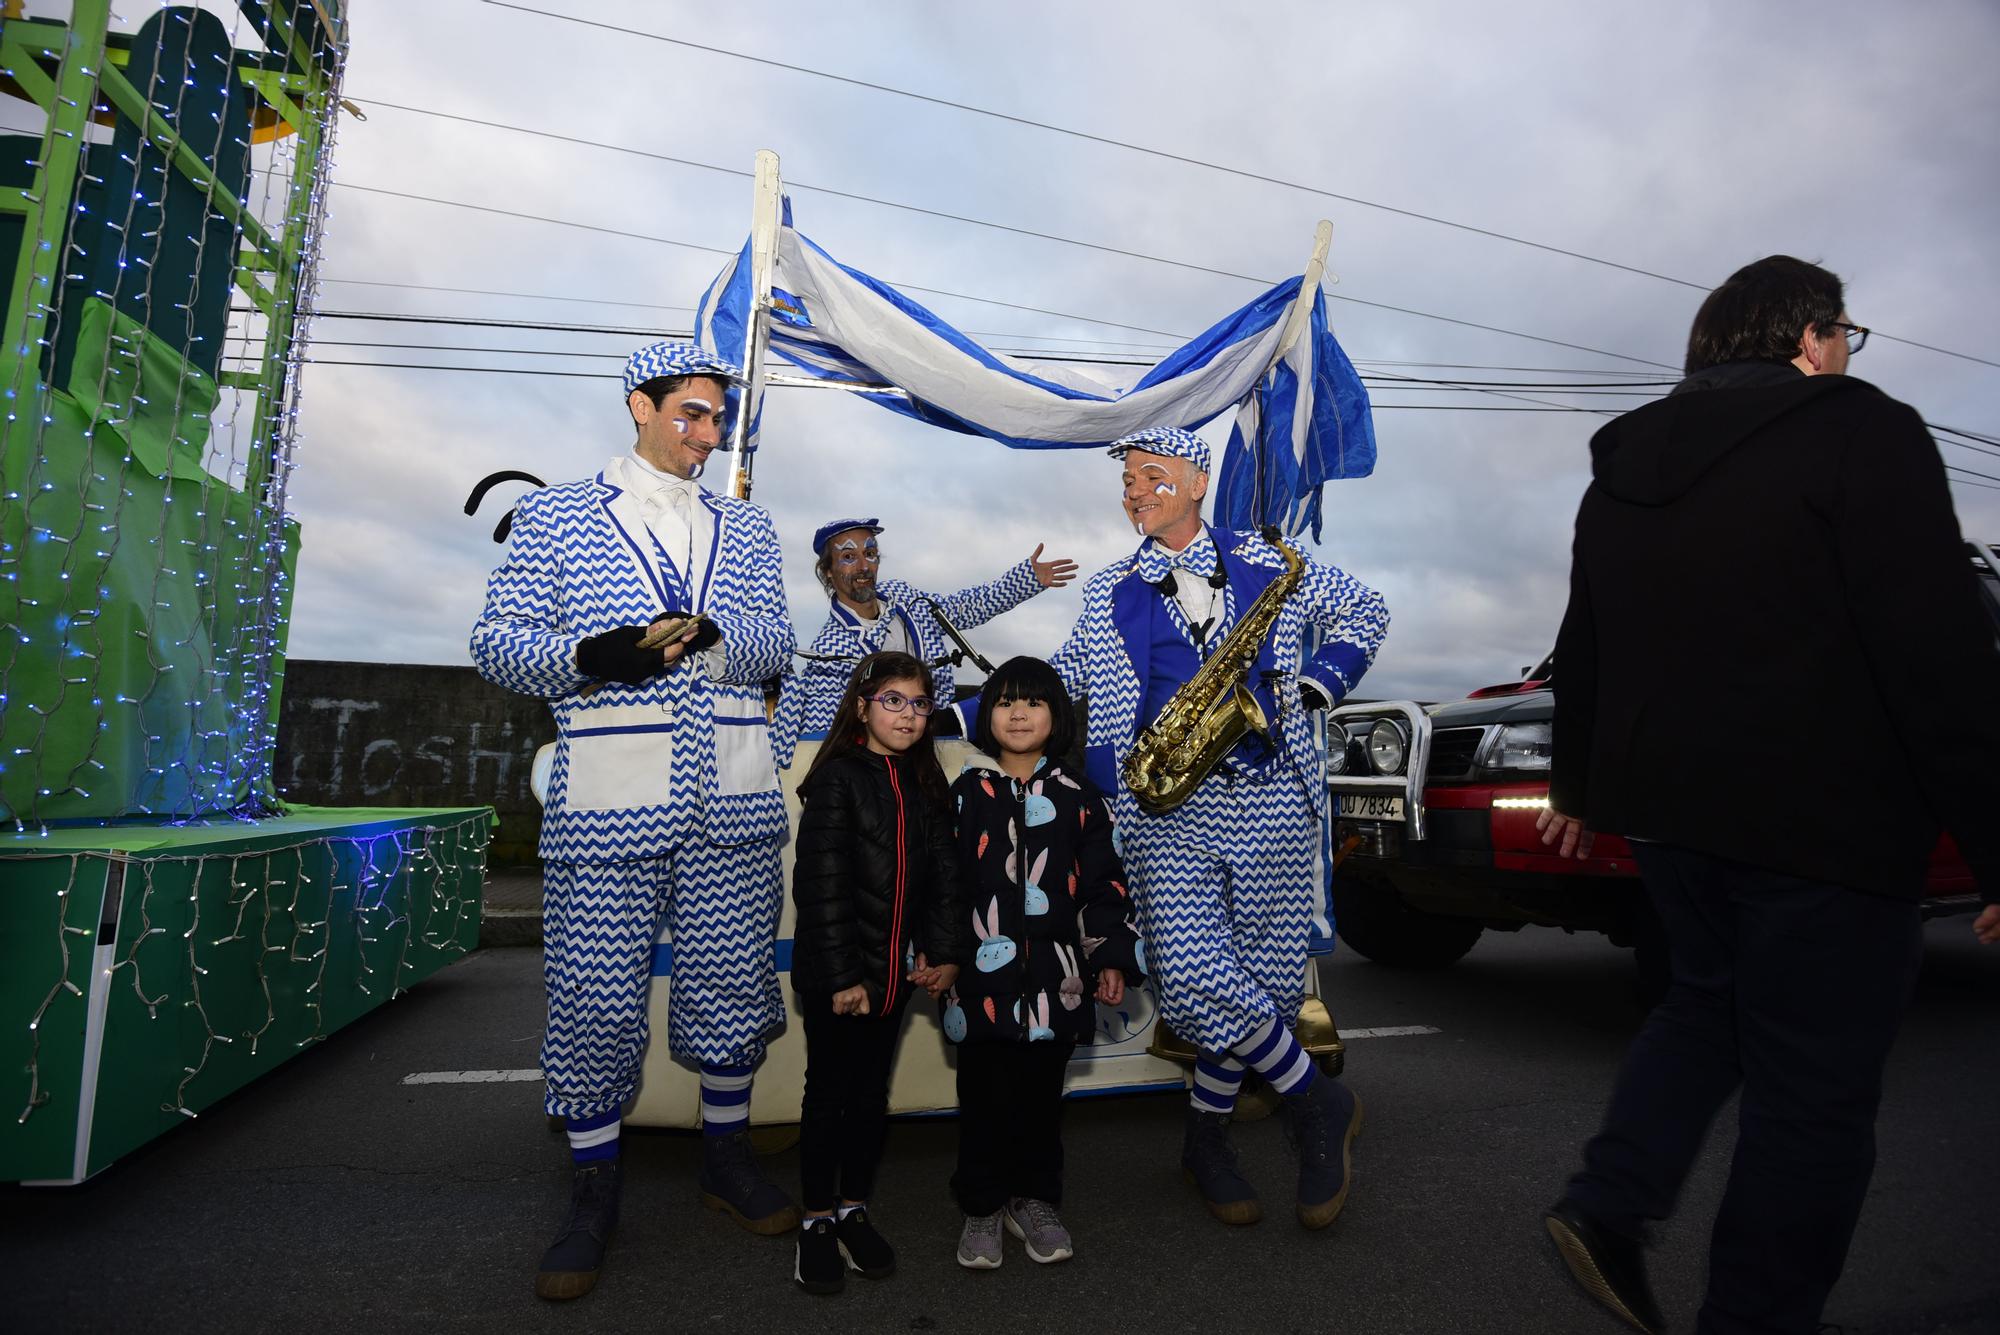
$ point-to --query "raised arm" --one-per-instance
(982, 602)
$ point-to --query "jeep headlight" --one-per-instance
(1387, 747)
(1336, 748)
(1517, 746)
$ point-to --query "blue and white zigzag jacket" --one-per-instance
(1110, 656)
(638, 769)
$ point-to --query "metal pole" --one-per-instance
(764, 218)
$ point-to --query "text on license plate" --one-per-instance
(1370, 806)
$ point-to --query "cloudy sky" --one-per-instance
(1684, 140)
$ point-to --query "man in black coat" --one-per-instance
(1778, 681)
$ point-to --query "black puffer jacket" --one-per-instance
(875, 880)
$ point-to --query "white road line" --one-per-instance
(471, 1077)
(1392, 1031)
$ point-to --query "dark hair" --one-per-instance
(845, 735)
(1032, 680)
(657, 389)
(1761, 312)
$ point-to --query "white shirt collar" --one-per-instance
(661, 478)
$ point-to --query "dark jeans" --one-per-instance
(846, 1104)
(1009, 1123)
(1792, 989)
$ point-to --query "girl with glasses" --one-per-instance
(876, 885)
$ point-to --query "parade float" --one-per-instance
(169, 928)
(1301, 418)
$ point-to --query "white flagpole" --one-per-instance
(765, 214)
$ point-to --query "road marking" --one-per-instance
(471, 1077)
(1391, 1031)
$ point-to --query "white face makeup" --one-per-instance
(1162, 496)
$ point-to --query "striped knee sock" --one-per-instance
(594, 1138)
(1273, 1053)
(1217, 1077)
(725, 1099)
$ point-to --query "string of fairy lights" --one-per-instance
(412, 892)
(189, 651)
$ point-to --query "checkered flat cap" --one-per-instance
(674, 358)
(1169, 440)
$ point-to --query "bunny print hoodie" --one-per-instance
(1046, 907)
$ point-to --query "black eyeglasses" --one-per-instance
(1857, 335)
(895, 702)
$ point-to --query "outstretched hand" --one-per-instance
(1054, 572)
(1575, 840)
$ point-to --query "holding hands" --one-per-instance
(1054, 572)
(933, 980)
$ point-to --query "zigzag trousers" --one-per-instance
(600, 921)
(1224, 888)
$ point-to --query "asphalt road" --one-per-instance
(332, 1197)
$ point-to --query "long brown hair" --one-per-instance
(846, 735)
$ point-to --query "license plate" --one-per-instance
(1369, 806)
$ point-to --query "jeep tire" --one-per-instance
(1371, 917)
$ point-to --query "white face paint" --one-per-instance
(680, 425)
(1166, 489)
(702, 404)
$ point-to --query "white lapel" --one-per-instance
(701, 582)
(628, 522)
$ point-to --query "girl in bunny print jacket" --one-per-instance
(1049, 907)
(1046, 931)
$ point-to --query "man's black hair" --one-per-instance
(657, 389)
(1761, 312)
(1028, 679)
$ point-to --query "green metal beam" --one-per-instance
(46, 232)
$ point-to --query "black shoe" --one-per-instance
(731, 1180)
(569, 1267)
(866, 1250)
(819, 1267)
(1209, 1162)
(1611, 1268)
(1323, 1122)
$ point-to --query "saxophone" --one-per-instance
(1213, 709)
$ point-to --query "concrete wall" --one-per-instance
(392, 734)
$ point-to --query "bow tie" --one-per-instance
(1198, 558)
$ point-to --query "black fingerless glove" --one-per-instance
(616, 656)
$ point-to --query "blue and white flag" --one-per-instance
(1304, 417)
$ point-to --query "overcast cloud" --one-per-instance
(1683, 139)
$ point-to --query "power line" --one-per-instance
(1109, 142)
(1175, 157)
(1972, 472)
(1009, 305)
(487, 292)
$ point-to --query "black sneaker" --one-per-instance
(819, 1267)
(865, 1249)
(569, 1267)
(1611, 1267)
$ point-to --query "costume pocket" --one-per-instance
(620, 757)
(743, 762)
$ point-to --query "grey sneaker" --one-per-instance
(979, 1242)
(1039, 1228)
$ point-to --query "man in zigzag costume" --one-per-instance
(663, 805)
(869, 614)
(1226, 883)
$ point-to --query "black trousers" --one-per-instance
(845, 1108)
(1792, 989)
(1009, 1123)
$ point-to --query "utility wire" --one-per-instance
(912, 287)
(1179, 158)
